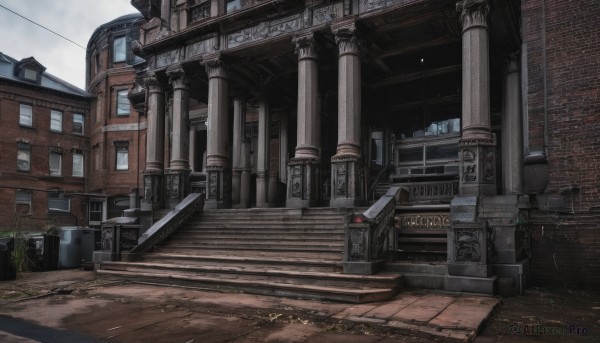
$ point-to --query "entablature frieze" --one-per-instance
(184, 45)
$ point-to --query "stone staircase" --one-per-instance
(284, 252)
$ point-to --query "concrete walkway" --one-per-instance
(74, 300)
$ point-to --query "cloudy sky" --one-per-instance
(74, 19)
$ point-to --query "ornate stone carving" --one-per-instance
(489, 170)
(305, 47)
(200, 11)
(357, 243)
(178, 78)
(152, 84)
(202, 47)
(327, 13)
(215, 68)
(473, 13)
(167, 58)
(296, 176)
(213, 183)
(422, 221)
(265, 30)
(443, 190)
(467, 245)
(371, 5)
(347, 41)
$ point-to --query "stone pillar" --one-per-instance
(218, 187)
(512, 129)
(246, 174)
(346, 164)
(262, 161)
(239, 110)
(165, 13)
(477, 144)
(303, 175)
(283, 149)
(177, 176)
(153, 174)
(192, 153)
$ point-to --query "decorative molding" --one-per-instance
(215, 68)
(422, 221)
(346, 38)
(467, 246)
(202, 47)
(305, 47)
(327, 13)
(178, 78)
(264, 30)
(372, 5)
(152, 84)
(473, 13)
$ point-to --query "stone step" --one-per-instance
(251, 231)
(269, 225)
(258, 245)
(278, 262)
(305, 291)
(440, 240)
(209, 236)
(334, 255)
(423, 268)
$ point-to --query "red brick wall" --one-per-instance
(569, 250)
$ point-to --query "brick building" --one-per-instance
(44, 144)
(117, 130)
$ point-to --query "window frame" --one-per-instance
(121, 146)
(54, 116)
(78, 115)
(59, 196)
(25, 148)
(59, 155)
(26, 202)
(120, 38)
(80, 154)
(126, 99)
(30, 114)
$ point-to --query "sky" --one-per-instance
(74, 19)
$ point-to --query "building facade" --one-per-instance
(117, 130)
(44, 147)
(483, 112)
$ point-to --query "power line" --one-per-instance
(42, 26)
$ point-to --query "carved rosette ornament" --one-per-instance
(473, 13)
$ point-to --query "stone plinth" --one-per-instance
(177, 185)
(468, 250)
(153, 194)
(477, 167)
(346, 181)
(218, 187)
(303, 183)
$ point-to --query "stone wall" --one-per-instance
(563, 64)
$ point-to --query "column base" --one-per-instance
(346, 181)
(153, 194)
(303, 183)
(218, 187)
(262, 183)
(477, 166)
(177, 185)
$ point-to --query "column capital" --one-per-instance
(511, 64)
(346, 36)
(215, 68)
(178, 77)
(305, 46)
(473, 13)
(152, 84)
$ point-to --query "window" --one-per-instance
(119, 50)
(122, 155)
(30, 74)
(78, 164)
(55, 163)
(23, 157)
(123, 103)
(78, 123)
(56, 121)
(23, 202)
(95, 212)
(26, 115)
(233, 5)
(58, 202)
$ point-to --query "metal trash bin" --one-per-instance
(89, 243)
(8, 270)
(69, 255)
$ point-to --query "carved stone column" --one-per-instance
(303, 170)
(239, 110)
(218, 185)
(512, 129)
(346, 165)
(262, 162)
(477, 144)
(177, 176)
(246, 174)
(153, 174)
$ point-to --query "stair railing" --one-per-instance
(167, 225)
(368, 236)
(383, 173)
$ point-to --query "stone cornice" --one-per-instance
(473, 13)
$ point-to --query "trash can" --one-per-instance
(90, 242)
(70, 247)
(50, 257)
(8, 270)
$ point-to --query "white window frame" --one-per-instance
(24, 149)
(121, 156)
(119, 50)
(122, 96)
(56, 117)
(55, 171)
(78, 161)
(78, 118)
(26, 115)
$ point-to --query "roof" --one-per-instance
(8, 66)
(124, 19)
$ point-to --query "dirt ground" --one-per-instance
(115, 312)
